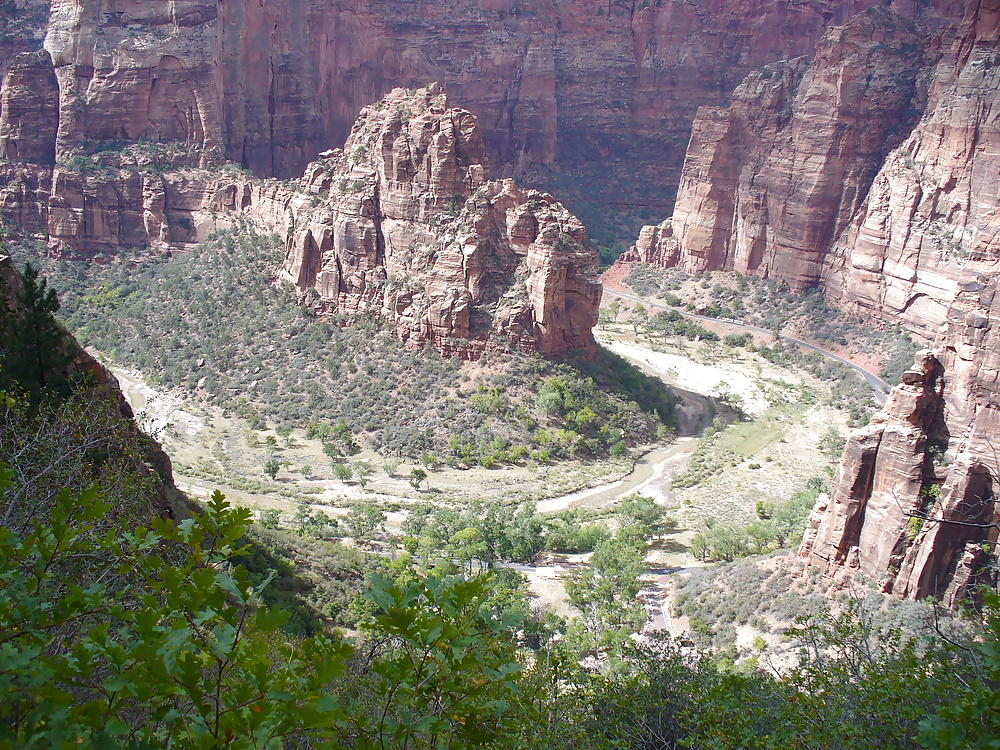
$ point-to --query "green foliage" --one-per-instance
(314, 579)
(642, 517)
(487, 531)
(184, 652)
(364, 520)
(190, 651)
(672, 323)
(605, 592)
(417, 475)
(778, 525)
(970, 717)
(267, 358)
(832, 444)
(574, 530)
(35, 346)
(446, 680)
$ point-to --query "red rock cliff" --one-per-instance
(554, 82)
(403, 224)
(871, 170)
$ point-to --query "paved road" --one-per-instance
(879, 387)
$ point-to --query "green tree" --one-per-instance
(363, 520)
(467, 545)
(362, 469)
(605, 592)
(645, 513)
(270, 519)
(970, 717)
(639, 317)
(37, 347)
(417, 476)
(343, 471)
(271, 467)
(449, 680)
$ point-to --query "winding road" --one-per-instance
(879, 387)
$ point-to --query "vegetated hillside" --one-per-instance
(193, 649)
(63, 421)
(218, 324)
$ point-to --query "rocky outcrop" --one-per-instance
(403, 224)
(29, 110)
(870, 171)
(935, 198)
(918, 512)
(913, 505)
(656, 246)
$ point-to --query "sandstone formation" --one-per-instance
(403, 224)
(851, 146)
(872, 171)
(769, 181)
(909, 510)
(868, 170)
(555, 83)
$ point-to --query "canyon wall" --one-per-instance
(851, 146)
(273, 84)
(872, 171)
(868, 170)
(593, 98)
(914, 502)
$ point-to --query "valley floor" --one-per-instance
(769, 454)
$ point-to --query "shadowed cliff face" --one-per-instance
(554, 82)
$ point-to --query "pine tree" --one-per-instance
(36, 348)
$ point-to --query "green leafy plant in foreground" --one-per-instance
(172, 646)
(189, 660)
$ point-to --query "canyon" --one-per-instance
(852, 147)
(595, 99)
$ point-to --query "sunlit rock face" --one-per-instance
(403, 223)
(559, 89)
(871, 170)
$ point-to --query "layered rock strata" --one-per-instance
(273, 84)
(911, 508)
(268, 86)
(868, 170)
(871, 172)
(403, 224)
